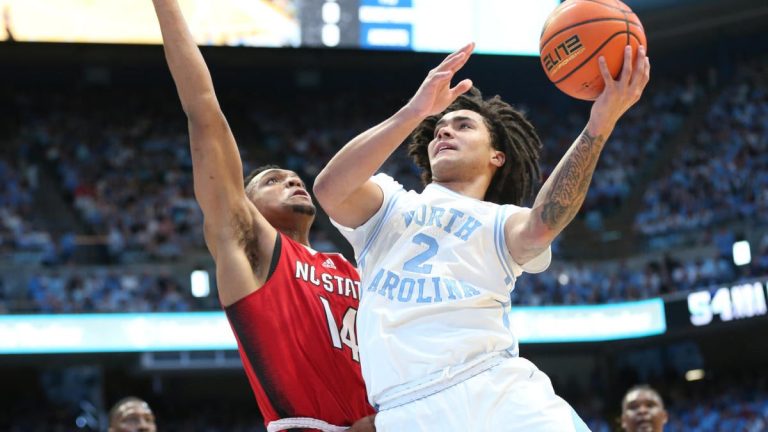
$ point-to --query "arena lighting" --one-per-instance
(201, 283)
(194, 331)
(694, 375)
(509, 27)
(563, 279)
(331, 33)
(742, 255)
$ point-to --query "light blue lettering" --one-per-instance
(469, 290)
(390, 283)
(421, 298)
(406, 284)
(453, 289)
(468, 228)
(408, 218)
(376, 280)
(434, 217)
(436, 284)
(454, 214)
(421, 215)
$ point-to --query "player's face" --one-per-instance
(643, 412)
(134, 417)
(276, 191)
(462, 147)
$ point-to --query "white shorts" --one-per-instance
(512, 396)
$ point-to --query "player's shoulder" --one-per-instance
(334, 256)
(328, 259)
(336, 261)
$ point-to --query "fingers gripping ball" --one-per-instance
(577, 33)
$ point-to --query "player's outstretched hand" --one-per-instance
(436, 93)
(619, 95)
(365, 424)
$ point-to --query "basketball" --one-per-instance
(577, 33)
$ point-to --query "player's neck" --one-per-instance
(472, 188)
(297, 235)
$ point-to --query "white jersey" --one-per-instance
(436, 283)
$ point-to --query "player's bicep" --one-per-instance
(242, 246)
(523, 244)
(235, 277)
(360, 206)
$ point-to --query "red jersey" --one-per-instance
(297, 338)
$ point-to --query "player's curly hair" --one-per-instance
(511, 133)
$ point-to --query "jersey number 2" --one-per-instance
(346, 334)
(416, 264)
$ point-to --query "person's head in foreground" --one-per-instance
(131, 414)
(642, 410)
(480, 140)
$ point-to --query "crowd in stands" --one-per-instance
(722, 175)
(121, 158)
(596, 283)
(736, 410)
(105, 291)
(705, 406)
(208, 416)
(632, 148)
(125, 170)
(18, 235)
(127, 177)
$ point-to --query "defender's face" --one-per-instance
(277, 191)
(643, 412)
(462, 142)
(134, 417)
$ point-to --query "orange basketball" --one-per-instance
(577, 33)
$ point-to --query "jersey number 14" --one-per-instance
(346, 334)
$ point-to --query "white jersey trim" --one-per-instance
(303, 423)
(380, 224)
(501, 245)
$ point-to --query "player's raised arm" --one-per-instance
(561, 196)
(216, 162)
(216, 166)
(343, 187)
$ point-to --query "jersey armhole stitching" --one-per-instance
(501, 246)
(275, 255)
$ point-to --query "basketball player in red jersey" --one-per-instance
(292, 309)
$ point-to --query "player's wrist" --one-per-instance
(600, 125)
(410, 116)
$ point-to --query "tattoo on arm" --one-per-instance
(570, 181)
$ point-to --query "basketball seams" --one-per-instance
(631, 34)
(591, 56)
(590, 21)
(576, 33)
(626, 20)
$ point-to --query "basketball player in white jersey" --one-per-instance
(436, 347)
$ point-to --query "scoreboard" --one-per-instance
(497, 26)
